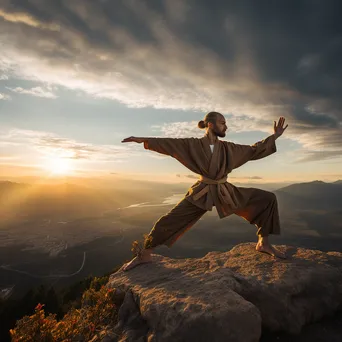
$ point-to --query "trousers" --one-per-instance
(260, 209)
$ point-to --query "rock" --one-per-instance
(289, 293)
(182, 300)
(228, 296)
(106, 335)
(130, 325)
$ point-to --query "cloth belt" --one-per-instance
(208, 181)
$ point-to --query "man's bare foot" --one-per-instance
(267, 248)
(137, 261)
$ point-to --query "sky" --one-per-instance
(77, 77)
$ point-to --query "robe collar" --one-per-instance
(212, 156)
(206, 146)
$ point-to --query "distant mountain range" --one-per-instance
(311, 195)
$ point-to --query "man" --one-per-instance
(213, 159)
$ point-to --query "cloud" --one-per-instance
(243, 60)
(7, 156)
(179, 129)
(236, 124)
(4, 97)
(36, 91)
(48, 144)
(27, 19)
(309, 156)
(191, 176)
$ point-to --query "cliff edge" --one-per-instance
(228, 296)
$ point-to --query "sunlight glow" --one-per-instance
(60, 166)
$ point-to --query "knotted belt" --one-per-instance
(208, 181)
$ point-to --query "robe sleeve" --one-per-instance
(175, 147)
(241, 154)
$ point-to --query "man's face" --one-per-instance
(219, 129)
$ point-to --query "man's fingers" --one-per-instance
(129, 139)
(280, 127)
(281, 121)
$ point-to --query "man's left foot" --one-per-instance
(267, 248)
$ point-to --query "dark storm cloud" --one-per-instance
(310, 156)
(297, 43)
(303, 115)
(278, 35)
(257, 58)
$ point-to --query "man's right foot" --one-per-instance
(136, 261)
(267, 248)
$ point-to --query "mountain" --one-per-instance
(311, 195)
(314, 188)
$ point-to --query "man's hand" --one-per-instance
(279, 129)
(133, 139)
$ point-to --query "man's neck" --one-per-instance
(212, 138)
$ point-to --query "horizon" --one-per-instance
(156, 178)
(76, 80)
(103, 182)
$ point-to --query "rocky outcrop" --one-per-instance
(228, 296)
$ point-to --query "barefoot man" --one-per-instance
(213, 159)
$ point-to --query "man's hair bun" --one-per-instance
(210, 117)
(201, 124)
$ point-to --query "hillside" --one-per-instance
(311, 195)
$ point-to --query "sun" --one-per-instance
(59, 166)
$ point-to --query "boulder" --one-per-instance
(228, 296)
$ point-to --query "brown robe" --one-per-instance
(195, 154)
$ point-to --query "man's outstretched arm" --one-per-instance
(244, 153)
(175, 147)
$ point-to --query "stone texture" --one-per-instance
(228, 296)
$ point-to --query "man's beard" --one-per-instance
(219, 133)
